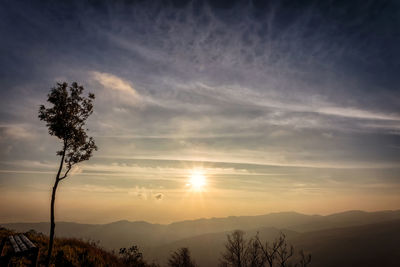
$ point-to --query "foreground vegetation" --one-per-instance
(239, 252)
(75, 252)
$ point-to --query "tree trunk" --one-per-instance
(52, 222)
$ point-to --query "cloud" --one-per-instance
(16, 132)
(76, 169)
(113, 82)
(357, 113)
(158, 196)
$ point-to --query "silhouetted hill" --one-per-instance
(281, 220)
(124, 233)
(363, 246)
(207, 248)
(366, 245)
(348, 218)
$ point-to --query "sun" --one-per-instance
(197, 180)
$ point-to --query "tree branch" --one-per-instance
(66, 173)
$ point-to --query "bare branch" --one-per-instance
(66, 173)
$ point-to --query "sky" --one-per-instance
(279, 105)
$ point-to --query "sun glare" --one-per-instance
(197, 180)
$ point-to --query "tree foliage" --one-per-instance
(181, 258)
(132, 257)
(66, 120)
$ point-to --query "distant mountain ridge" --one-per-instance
(351, 238)
(125, 233)
(356, 246)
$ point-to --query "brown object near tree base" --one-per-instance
(21, 247)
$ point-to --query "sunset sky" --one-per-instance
(279, 105)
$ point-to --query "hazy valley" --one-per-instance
(333, 240)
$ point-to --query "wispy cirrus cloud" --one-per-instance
(16, 132)
(113, 82)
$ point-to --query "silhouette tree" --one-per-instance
(270, 251)
(305, 260)
(65, 119)
(284, 252)
(254, 253)
(132, 256)
(235, 250)
(181, 258)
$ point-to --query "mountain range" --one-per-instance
(352, 238)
